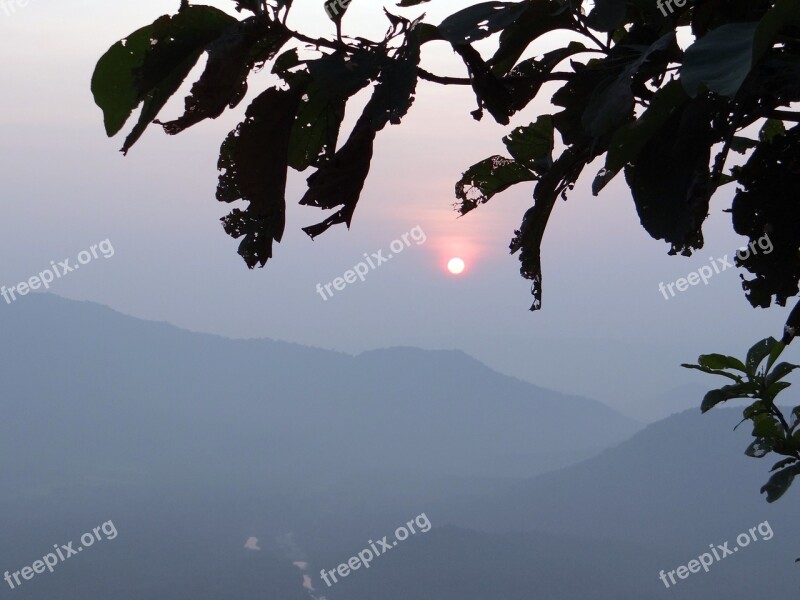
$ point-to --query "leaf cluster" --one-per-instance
(760, 378)
(665, 116)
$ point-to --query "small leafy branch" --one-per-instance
(772, 431)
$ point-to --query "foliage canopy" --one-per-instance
(664, 116)
(760, 378)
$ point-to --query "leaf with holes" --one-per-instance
(255, 171)
(489, 177)
(480, 21)
(149, 66)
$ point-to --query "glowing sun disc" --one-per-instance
(455, 266)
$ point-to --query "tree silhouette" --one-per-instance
(666, 114)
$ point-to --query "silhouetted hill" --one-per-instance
(688, 461)
(601, 529)
(673, 489)
(193, 443)
(151, 400)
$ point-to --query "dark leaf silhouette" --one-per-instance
(624, 90)
(253, 159)
(223, 84)
(149, 66)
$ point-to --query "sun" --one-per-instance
(455, 266)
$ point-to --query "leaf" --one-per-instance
(720, 61)
(774, 353)
(253, 159)
(399, 24)
(533, 144)
(767, 426)
(670, 179)
(250, 5)
(756, 408)
(113, 85)
(573, 95)
(779, 372)
(611, 105)
(795, 415)
(284, 64)
(783, 463)
(397, 84)
(540, 17)
(780, 482)
(760, 205)
(602, 179)
(525, 80)
(339, 181)
(772, 128)
(721, 361)
(427, 33)
(742, 144)
(149, 66)
(759, 448)
(332, 80)
(629, 140)
(725, 393)
(490, 92)
(758, 353)
(230, 60)
(503, 97)
(480, 21)
(528, 238)
(489, 177)
(774, 389)
(607, 15)
(782, 14)
(713, 398)
(735, 378)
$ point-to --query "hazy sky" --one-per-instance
(605, 330)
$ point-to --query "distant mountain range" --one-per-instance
(193, 444)
(601, 529)
(688, 396)
(191, 403)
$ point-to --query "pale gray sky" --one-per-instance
(605, 330)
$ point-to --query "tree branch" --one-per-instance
(785, 115)
(427, 76)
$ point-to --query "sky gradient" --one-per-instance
(605, 330)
